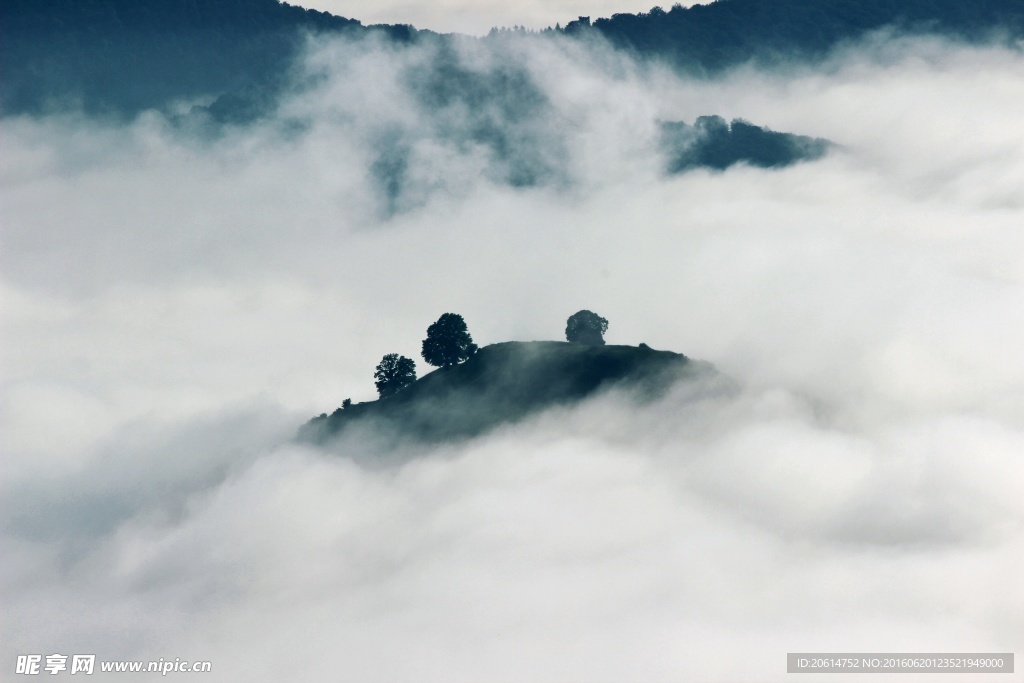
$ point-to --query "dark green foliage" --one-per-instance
(492, 109)
(497, 106)
(717, 35)
(448, 341)
(586, 327)
(578, 26)
(391, 167)
(119, 57)
(504, 383)
(393, 374)
(713, 143)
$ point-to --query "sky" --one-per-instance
(477, 17)
(175, 304)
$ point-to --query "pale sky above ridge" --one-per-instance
(477, 17)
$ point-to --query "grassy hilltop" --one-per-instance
(504, 383)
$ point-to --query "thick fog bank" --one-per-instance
(175, 304)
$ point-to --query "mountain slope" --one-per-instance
(507, 382)
(711, 37)
(713, 143)
(120, 57)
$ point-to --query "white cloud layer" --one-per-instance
(174, 306)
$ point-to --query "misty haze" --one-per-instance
(288, 380)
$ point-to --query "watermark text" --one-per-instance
(34, 665)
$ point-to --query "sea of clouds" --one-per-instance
(176, 302)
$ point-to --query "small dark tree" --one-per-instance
(347, 403)
(448, 341)
(393, 374)
(586, 327)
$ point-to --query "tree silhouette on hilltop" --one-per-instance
(393, 374)
(586, 327)
(448, 341)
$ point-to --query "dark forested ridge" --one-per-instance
(710, 37)
(713, 143)
(507, 382)
(124, 56)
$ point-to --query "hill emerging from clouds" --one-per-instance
(505, 383)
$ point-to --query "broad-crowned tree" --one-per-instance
(448, 341)
(393, 374)
(586, 327)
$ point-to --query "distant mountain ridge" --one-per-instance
(506, 383)
(119, 57)
(714, 36)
